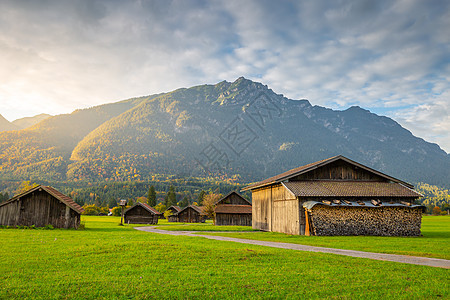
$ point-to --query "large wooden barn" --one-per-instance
(191, 214)
(233, 209)
(336, 196)
(41, 206)
(141, 213)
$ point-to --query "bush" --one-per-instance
(91, 210)
(117, 211)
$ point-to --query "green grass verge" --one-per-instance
(107, 261)
(435, 241)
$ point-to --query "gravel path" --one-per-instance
(424, 261)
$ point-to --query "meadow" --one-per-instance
(107, 261)
(434, 242)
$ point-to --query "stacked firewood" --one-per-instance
(380, 221)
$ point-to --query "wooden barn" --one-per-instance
(41, 206)
(141, 213)
(191, 214)
(174, 210)
(233, 209)
(336, 196)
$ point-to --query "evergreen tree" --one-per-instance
(79, 201)
(151, 197)
(185, 202)
(112, 203)
(98, 202)
(171, 197)
(200, 198)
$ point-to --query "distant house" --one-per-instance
(233, 209)
(41, 206)
(191, 214)
(336, 196)
(141, 213)
(174, 210)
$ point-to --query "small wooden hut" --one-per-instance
(41, 206)
(336, 196)
(233, 209)
(191, 214)
(141, 213)
(174, 210)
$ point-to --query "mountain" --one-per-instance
(241, 130)
(30, 121)
(5, 125)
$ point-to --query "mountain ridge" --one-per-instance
(169, 133)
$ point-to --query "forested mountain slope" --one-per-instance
(240, 129)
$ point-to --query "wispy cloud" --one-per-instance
(389, 56)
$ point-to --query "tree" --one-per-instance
(171, 197)
(25, 186)
(98, 202)
(117, 211)
(436, 211)
(130, 202)
(160, 207)
(167, 213)
(91, 210)
(141, 199)
(185, 202)
(200, 197)
(209, 205)
(112, 203)
(151, 197)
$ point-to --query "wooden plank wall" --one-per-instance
(40, 209)
(261, 209)
(234, 199)
(139, 215)
(285, 213)
(339, 171)
(234, 219)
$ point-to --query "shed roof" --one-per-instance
(145, 206)
(320, 188)
(52, 191)
(368, 204)
(309, 167)
(231, 193)
(233, 209)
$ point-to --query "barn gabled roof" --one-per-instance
(233, 209)
(198, 209)
(176, 208)
(228, 195)
(145, 206)
(55, 193)
(309, 167)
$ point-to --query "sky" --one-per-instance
(390, 57)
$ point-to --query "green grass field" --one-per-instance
(107, 261)
(435, 241)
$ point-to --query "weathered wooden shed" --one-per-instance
(191, 214)
(335, 196)
(41, 206)
(141, 213)
(233, 209)
(174, 210)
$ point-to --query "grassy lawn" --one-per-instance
(207, 226)
(435, 241)
(108, 261)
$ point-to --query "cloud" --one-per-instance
(381, 55)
